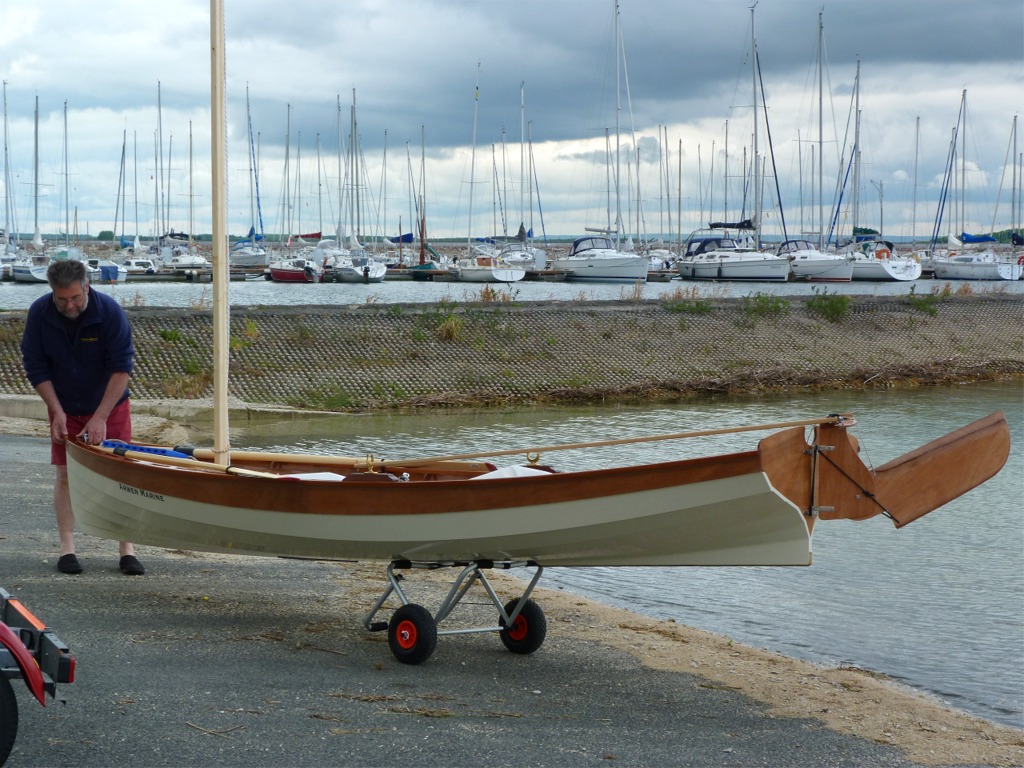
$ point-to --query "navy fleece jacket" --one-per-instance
(77, 356)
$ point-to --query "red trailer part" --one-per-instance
(30, 652)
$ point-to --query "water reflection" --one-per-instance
(255, 293)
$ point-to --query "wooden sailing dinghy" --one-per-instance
(757, 507)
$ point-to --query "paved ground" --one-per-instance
(222, 661)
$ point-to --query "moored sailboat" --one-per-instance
(976, 265)
(806, 262)
(876, 259)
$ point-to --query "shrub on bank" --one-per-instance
(833, 307)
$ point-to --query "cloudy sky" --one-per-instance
(546, 73)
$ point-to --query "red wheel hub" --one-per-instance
(406, 635)
(518, 629)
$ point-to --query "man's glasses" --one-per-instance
(64, 301)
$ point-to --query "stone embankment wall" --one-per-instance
(453, 355)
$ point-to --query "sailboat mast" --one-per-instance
(191, 206)
(754, 167)
(135, 180)
(319, 188)
(423, 194)
(913, 209)
(248, 126)
(6, 175)
(532, 176)
(725, 175)
(472, 162)
(963, 168)
(668, 182)
(821, 133)
(679, 196)
(618, 109)
(522, 151)
(856, 153)
(382, 218)
(121, 184)
(286, 197)
(156, 188)
(161, 224)
(67, 183)
(221, 447)
(298, 184)
(412, 197)
(357, 179)
(338, 232)
(37, 238)
(1014, 200)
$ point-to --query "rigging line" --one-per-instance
(835, 419)
(862, 489)
(771, 147)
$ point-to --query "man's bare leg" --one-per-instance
(62, 508)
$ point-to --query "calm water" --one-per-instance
(263, 293)
(938, 605)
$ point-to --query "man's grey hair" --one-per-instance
(66, 272)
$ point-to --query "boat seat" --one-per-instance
(333, 476)
(371, 477)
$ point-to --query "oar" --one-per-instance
(346, 462)
(206, 454)
(177, 461)
(838, 418)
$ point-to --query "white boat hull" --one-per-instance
(866, 268)
(976, 270)
(372, 272)
(770, 269)
(243, 258)
(822, 270)
(29, 273)
(736, 522)
(602, 268)
(553, 519)
(496, 274)
(717, 256)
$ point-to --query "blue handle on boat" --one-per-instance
(119, 448)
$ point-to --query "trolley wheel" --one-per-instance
(412, 634)
(8, 718)
(527, 632)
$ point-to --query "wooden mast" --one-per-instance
(221, 307)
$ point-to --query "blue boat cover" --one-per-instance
(969, 238)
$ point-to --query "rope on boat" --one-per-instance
(861, 488)
(533, 454)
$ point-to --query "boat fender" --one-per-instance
(882, 253)
(1020, 261)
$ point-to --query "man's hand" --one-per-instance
(95, 431)
(59, 428)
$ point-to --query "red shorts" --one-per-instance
(119, 427)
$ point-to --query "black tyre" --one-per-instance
(412, 634)
(8, 718)
(526, 634)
